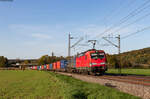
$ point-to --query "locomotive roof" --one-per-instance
(82, 53)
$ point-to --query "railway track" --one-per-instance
(137, 78)
(129, 79)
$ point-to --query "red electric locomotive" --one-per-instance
(91, 61)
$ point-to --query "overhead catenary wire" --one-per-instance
(135, 21)
(120, 8)
(77, 42)
(124, 19)
(102, 44)
(139, 31)
(112, 12)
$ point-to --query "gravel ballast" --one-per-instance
(133, 89)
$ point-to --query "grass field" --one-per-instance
(48, 85)
(131, 71)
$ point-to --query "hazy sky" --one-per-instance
(32, 28)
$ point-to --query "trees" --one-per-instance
(49, 59)
(26, 62)
(112, 61)
(3, 61)
(130, 59)
(43, 60)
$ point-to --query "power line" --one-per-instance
(134, 13)
(75, 44)
(102, 44)
(141, 18)
(124, 19)
(146, 28)
(129, 4)
(112, 11)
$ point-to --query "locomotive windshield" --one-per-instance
(97, 55)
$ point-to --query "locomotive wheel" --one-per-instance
(102, 73)
(93, 73)
(88, 72)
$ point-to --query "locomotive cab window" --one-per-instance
(97, 55)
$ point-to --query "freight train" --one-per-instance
(90, 62)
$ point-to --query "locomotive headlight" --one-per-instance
(93, 64)
(102, 63)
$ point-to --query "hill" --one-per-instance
(134, 59)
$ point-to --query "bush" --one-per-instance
(3, 61)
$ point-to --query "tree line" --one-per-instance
(49, 59)
(133, 59)
(45, 59)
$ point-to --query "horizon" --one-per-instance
(73, 55)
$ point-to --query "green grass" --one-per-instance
(48, 85)
(131, 71)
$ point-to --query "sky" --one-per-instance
(32, 28)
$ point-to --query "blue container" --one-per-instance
(51, 66)
(63, 64)
(44, 66)
(38, 67)
(74, 62)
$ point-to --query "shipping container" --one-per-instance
(38, 67)
(63, 64)
(54, 65)
(35, 67)
(51, 66)
(47, 67)
(42, 67)
(58, 65)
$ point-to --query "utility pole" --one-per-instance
(69, 49)
(118, 46)
(119, 53)
(93, 42)
(52, 54)
(69, 45)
